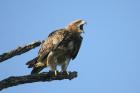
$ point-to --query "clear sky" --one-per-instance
(109, 59)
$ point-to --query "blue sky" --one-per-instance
(108, 61)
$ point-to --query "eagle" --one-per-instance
(59, 48)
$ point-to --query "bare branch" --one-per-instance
(45, 76)
(19, 51)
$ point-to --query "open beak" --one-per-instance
(82, 26)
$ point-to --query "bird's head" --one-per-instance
(76, 26)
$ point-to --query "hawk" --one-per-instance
(59, 48)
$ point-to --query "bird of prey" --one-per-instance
(59, 48)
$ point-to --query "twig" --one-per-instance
(19, 50)
(45, 76)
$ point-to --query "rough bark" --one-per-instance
(45, 76)
(18, 51)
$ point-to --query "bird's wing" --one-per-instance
(77, 46)
(53, 41)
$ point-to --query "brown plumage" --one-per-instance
(61, 46)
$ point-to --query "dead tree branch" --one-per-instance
(19, 51)
(45, 76)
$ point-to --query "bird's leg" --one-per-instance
(53, 68)
(64, 67)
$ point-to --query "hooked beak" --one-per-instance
(82, 25)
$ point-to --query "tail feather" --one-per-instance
(32, 62)
(37, 66)
(36, 70)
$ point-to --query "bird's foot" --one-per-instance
(66, 72)
(55, 73)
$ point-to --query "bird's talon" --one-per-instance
(55, 72)
(65, 72)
